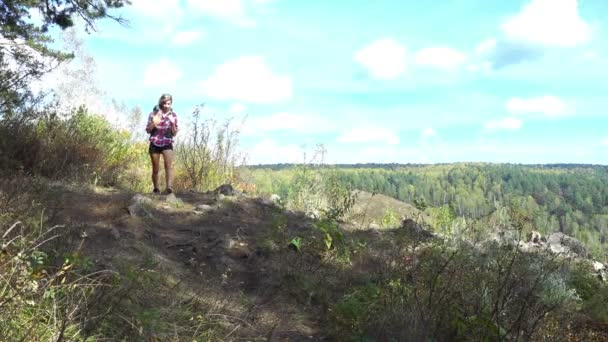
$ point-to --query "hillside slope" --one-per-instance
(213, 268)
(216, 250)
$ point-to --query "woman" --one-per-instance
(162, 127)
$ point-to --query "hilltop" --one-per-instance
(215, 252)
(204, 266)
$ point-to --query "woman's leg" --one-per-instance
(155, 166)
(168, 159)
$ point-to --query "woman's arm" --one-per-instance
(173, 124)
(151, 124)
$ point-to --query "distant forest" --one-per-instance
(570, 198)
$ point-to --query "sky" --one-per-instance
(386, 81)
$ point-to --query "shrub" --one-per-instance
(208, 156)
(81, 147)
(41, 298)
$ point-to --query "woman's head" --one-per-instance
(165, 102)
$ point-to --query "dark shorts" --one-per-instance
(159, 149)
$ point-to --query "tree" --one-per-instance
(25, 54)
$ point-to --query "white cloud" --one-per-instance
(269, 151)
(383, 59)
(157, 8)
(369, 135)
(429, 132)
(235, 11)
(548, 23)
(485, 45)
(163, 72)
(284, 121)
(247, 79)
(506, 123)
(484, 66)
(591, 54)
(186, 37)
(550, 106)
(223, 8)
(440, 58)
(236, 108)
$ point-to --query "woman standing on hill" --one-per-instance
(162, 127)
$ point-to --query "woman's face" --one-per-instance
(165, 106)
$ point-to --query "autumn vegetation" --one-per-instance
(363, 277)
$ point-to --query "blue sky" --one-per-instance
(519, 81)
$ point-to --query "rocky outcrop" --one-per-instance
(415, 229)
(561, 241)
(556, 243)
(226, 190)
(140, 206)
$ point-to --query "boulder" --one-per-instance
(236, 249)
(416, 229)
(226, 190)
(139, 206)
(374, 226)
(202, 208)
(535, 237)
(571, 244)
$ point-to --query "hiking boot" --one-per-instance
(156, 191)
(168, 191)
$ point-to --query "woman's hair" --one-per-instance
(163, 98)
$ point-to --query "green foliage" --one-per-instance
(442, 291)
(357, 307)
(296, 243)
(84, 147)
(41, 298)
(592, 291)
(568, 198)
(144, 304)
(390, 219)
(442, 219)
(208, 156)
(26, 54)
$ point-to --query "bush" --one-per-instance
(208, 156)
(81, 147)
(42, 298)
(445, 291)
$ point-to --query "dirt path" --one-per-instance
(213, 246)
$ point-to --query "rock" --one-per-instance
(374, 226)
(529, 247)
(274, 199)
(598, 266)
(139, 206)
(313, 214)
(225, 189)
(572, 244)
(535, 237)
(239, 250)
(139, 198)
(115, 233)
(558, 249)
(236, 248)
(414, 228)
(172, 200)
(204, 207)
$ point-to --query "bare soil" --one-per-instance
(221, 250)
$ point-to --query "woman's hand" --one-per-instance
(156, 119)
(172, 125)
